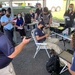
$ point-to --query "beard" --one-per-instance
(8, 15)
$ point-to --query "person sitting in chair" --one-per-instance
(41, 37)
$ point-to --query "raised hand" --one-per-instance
(25, 41)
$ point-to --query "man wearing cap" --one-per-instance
(44, 38)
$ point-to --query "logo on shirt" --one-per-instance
(36, 33)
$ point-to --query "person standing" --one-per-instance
(32, 18)
(69, 16)
(20, 25)
(38, 11)
(32, 14)
(46, 17)
(3, 13)
(7, 53)
(7, 23)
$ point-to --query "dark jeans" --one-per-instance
(9, 34)
(22, 32)
(28, 27)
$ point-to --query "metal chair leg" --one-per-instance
(47, 52)
(37, 50)
(64, 69)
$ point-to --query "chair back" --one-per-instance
(33, 36)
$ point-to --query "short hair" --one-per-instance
(9, 10)
(45, 9)
(3, 10)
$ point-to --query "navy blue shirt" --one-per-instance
(73, 63)
(40, 33)
(6, 49)
(38, 11)
(19, 21)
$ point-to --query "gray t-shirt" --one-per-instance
(46, 18)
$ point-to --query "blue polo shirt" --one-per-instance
(6, 49)
(9, 26)
(73, 63)
(19, 22)
(40, 33)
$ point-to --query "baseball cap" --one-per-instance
(41, 22)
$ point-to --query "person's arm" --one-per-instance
(66, 14)
(4, 23)
(50, 21)
(72, 72)
(39, 38)
(41, 17)
(35, 15)
(16, 25)
(22, 22)
(19, 48)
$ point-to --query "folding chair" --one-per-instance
(39, 45)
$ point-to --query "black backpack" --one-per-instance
(27, 18)
(53, 65)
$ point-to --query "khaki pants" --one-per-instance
(53, 44)
(8, 70)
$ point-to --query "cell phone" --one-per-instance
(28, 37)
